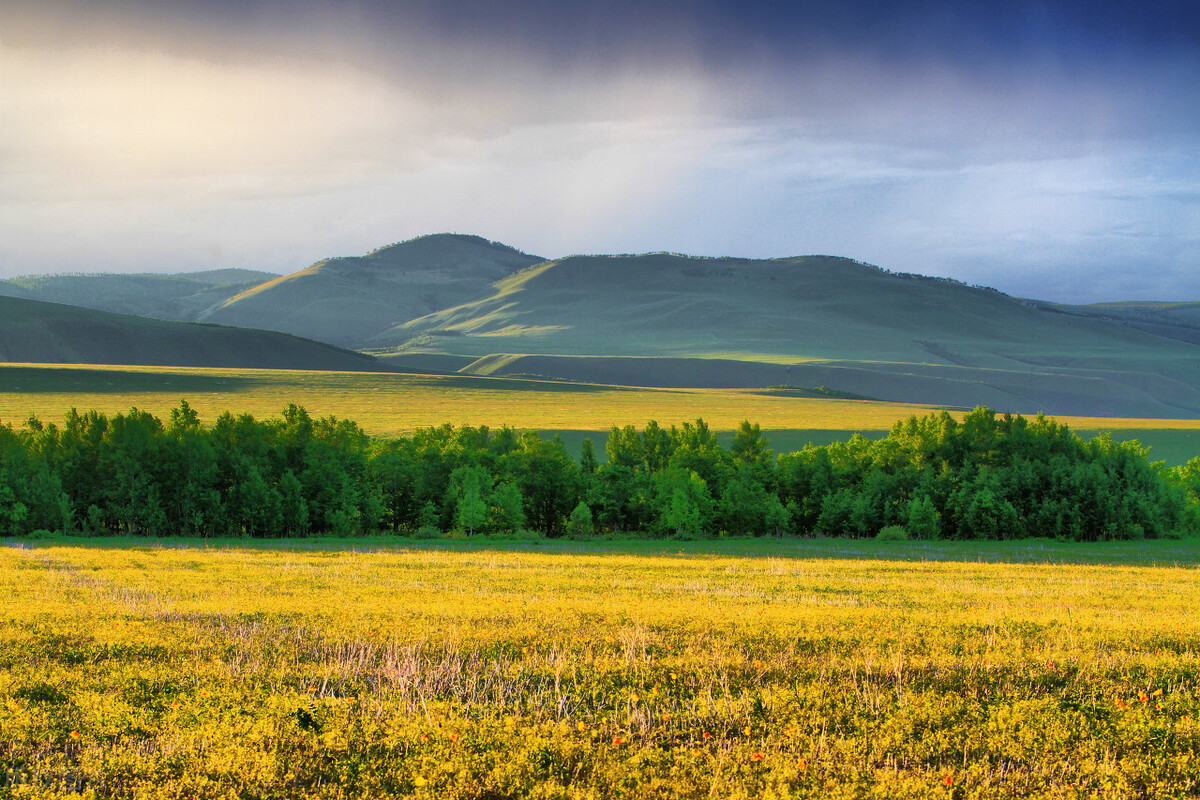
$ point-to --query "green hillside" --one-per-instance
(9, 289)
(809, 321)
(348, 300)
(1170, 319)
(32, 331)
(181, 297)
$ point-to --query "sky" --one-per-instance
(1046, 149)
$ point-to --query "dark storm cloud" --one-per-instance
(1018, 144)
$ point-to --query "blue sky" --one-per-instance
(1048, 149)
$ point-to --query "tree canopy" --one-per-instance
(987, 476)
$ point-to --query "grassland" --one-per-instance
(855, 328)
(387, 404)
(477, 670)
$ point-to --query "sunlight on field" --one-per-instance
(493, 673)
(390, 403)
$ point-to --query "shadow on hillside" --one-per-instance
(42, 380)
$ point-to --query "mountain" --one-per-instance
(659, 319)
(35, 331)
(181, 297)
(347, 301)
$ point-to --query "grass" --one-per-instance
(483, 670)
(387, 404)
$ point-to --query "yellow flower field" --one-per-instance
(492, 671)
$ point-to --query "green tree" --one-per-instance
(506, 512)
(921, 520)
(685, 502)
(580, 522)
(469, 488)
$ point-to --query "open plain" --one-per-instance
(476, 669)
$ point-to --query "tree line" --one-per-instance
(988, 476)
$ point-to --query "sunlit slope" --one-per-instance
(181, 297)
(836, 322)
(33, 331)
(346, 300)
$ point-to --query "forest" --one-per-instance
(988, 476)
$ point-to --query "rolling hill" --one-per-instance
(181, 296)
(450, 303)
(807, 321)
(346, 301)
(34, 331)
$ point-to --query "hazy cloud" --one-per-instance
(1043, 148)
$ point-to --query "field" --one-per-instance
(387, 404)
(484, 670)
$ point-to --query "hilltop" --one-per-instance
(35, 331)
(348, 300)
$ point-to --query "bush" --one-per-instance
(427, 532)
(892, 533)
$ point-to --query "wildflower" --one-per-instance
(617, 740)
(454, 737)
(695, 751)
(707, 735)
(746, 730)
(633, 697)
(757, 664)
(948, 780)
(666, 717)
(419, 781)
(802, 765)
(757, 757)
(580, 726)
(1142, 696)
(74, 734)
(674, 676)
(1156, 693)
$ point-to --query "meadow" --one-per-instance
(475, 669)
(390, 404)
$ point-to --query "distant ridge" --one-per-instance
(348, 300)
(181, 296)
(460, 303)
(33, 331)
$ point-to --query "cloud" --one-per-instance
(1045, 152)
